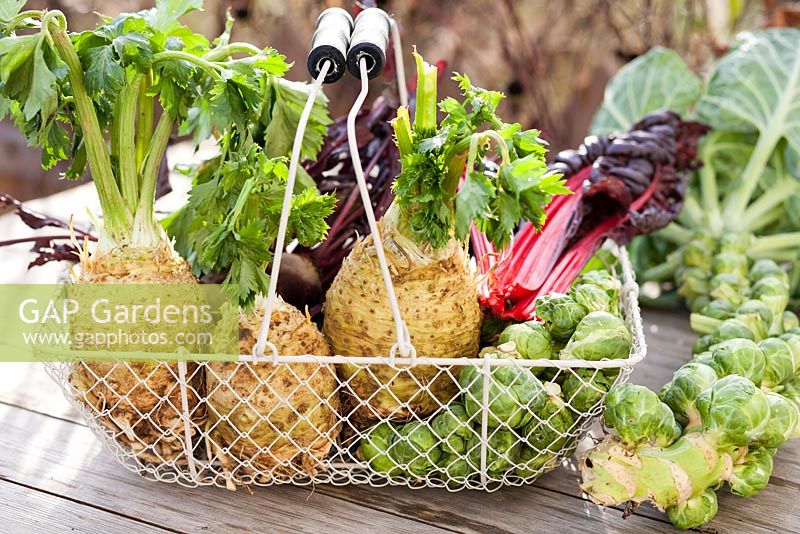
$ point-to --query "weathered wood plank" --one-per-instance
(64, 458)
(26, 511)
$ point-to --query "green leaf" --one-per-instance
(15, 52)
(308, 214)
(756, 87)
(103, 74)
(42, 93)
(288, 99)
(56, 145)
(10, 9)
(656, 80)
(473, 202)
(167, 12)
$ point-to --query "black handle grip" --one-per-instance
(369, 41)
(330, 43)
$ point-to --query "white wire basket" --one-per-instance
(287, 419)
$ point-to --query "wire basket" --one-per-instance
(291, 419)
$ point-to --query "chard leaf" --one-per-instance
(755, 88)
(657, 80)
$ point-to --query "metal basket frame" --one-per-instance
(342, 466)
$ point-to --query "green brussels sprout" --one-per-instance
(514, 394)
(585, 388)
(503, 448)
(791, 392)
(752, 475)
(638, 416)
(416, 448)
(729, 287)
(735, 242)
(593, 298)
(731, 329)
(718, 309)
(534, 464)
(702, 344)
(702, 357)
(697, 254)
(531, 339)
(733, 411)
(374, 449)
(730, 263)
(452, 428)
(599, 335)
(709, 240)
(695, 512)
(780, 362)
(764, 268)
(697, 303)
(789, 320)
(548, 430)
(692, 282)
(604, 279)
(681, 393)
(757, 316)
(774, 293)
(793, 342)
(784, 418)
(456, 469)
(560, 313)
(739, 357)
(491, 327)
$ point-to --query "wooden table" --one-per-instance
(56, 477)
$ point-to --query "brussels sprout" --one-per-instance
(793, 342)
(374, 449)
(593, 298)
(491, 328)
(560, 313)
(599, 336)
(695, 512)
(789, 320)
(780, 362)
(731, 329)
(532, 463)
(416, 448)
(757, 316)
(703, 357)
(692, 282)
(764, 268)
(718, 309)
(456, 469)
(697, 303)
(774, 293)
(730, 263)
(502, 452)
(603, 279)
(638, 416)
(697, 254)
(514, 394)
(452, 428)
(735, 242)
(740, 357)
(585, 388)
(548, 430)
(751, 475)
(688, 382)
(531, 340)
(733, 411)
(791, 391)
(784, 418)
(729, 287)
(702, 344)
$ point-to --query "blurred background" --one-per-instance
(552, 59)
